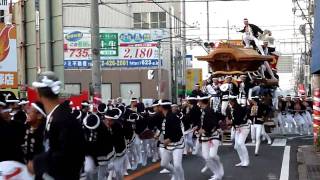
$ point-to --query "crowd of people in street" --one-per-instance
(56, 140)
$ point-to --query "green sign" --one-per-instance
(109, 44)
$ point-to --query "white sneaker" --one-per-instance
(215, 178)
(204, 169)
(244, 164)
(164, 171)
(239, 164)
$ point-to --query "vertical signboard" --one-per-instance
(8, 57)
(194, 76)
(109, 44)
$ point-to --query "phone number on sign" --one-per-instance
(114, 63)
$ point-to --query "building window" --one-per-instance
(130, 90)
(72, 89)
(149, 20)
(106, 92)
(1, 16)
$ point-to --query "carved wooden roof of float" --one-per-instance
(234, 58)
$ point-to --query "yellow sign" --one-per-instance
(194, 76)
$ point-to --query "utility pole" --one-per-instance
(159, 70)
(184, 48)
(95, 48)
(208, 22)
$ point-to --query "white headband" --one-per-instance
(133, 120)
(233, 97)
(10, 100)
(80, 114)
(204, 97)
(34, 105)
(151, 112)
(6, 110)
(85, 104)
(154, 105)
(23, 102)
(45, 82)
(93, 127)
(191, 98)
(164, 103)
(116, 116)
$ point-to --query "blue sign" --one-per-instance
(74, 36)
(109, 63)
(135, 37)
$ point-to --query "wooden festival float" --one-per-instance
(234, 60)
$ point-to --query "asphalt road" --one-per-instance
(267, 166)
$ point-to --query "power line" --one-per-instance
(128, 15)
(169, 13)
(149, 2)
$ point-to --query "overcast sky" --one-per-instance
(275, 15)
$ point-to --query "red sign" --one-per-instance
(33, 96)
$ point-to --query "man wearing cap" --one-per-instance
(251, 33)
(210, 138)
(63, 138)
(171, 141)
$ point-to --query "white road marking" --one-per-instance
(279, 142)
(230, 144)
(295, 137)
(284, 175)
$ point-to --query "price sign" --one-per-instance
(119, 48)
(139, 51)
(77, 54)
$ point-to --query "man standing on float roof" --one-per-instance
(63, 138)
(251, 33)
